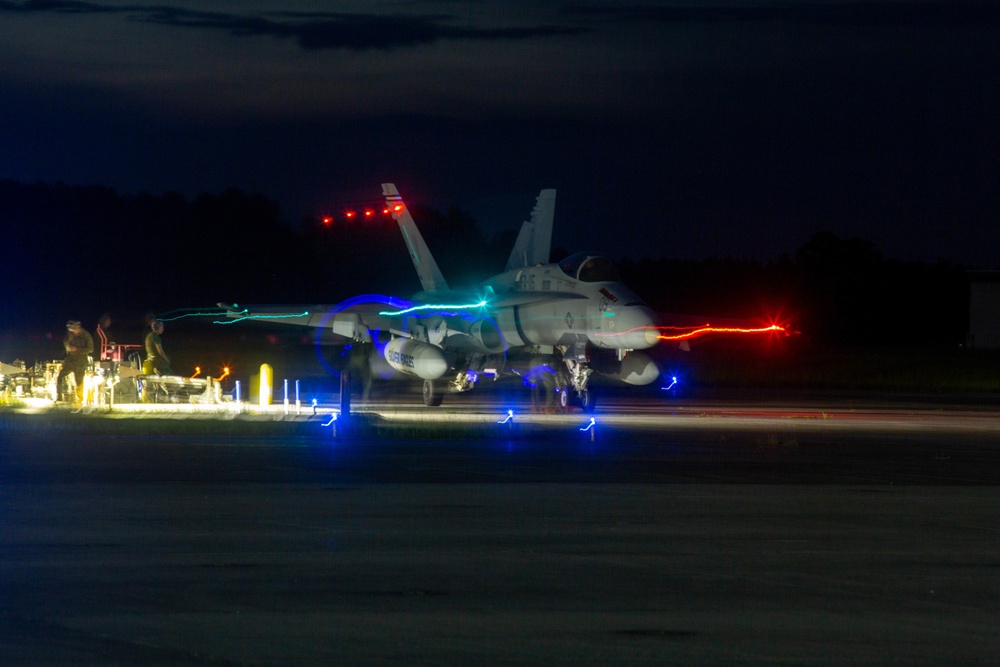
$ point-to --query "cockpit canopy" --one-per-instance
(589, 268)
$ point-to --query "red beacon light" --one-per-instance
(369, 213)
(349, 214)
(327, 220)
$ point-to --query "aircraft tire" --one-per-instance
(564, 399)
(432, 397)
(586, 398)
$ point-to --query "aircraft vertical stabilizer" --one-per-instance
(534, 243)
(431, 278)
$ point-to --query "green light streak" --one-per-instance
(433, 306)
(262, 317)
(214, 313)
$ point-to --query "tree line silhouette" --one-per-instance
(74, 251)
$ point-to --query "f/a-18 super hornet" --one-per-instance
(555, 323)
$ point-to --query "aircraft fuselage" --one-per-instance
(603, 313)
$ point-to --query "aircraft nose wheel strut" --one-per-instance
(585, 399)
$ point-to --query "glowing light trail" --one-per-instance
(284, 316)
(211, 313)
(707, 329)
(695, 332)
(430, 306)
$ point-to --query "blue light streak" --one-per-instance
(353, 302)
(536, 373)
(592, 424)
(510, 417)
(671, 385)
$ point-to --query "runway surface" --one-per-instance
(798, 531)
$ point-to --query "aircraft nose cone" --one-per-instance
(638, 329)
(652, 336)
(644, 331)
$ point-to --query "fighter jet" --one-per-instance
(550, 323)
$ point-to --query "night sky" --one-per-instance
(674, 129)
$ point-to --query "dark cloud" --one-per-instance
(312, 30)
(856, 14)
(356, 32)
(56, 7)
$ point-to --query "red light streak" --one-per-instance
(695, 332)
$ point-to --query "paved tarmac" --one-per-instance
(688, 533)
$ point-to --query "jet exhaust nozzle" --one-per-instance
(487, 335)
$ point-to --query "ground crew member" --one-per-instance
(157, 360)
(79, 344)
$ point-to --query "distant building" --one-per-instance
(984, 309)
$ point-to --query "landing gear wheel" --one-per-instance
(563, 398)
(432, 397)
(586, 398)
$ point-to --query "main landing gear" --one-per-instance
(579, 372)
(432, 395)
(585, 399)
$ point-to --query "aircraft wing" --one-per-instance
(354, 319)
